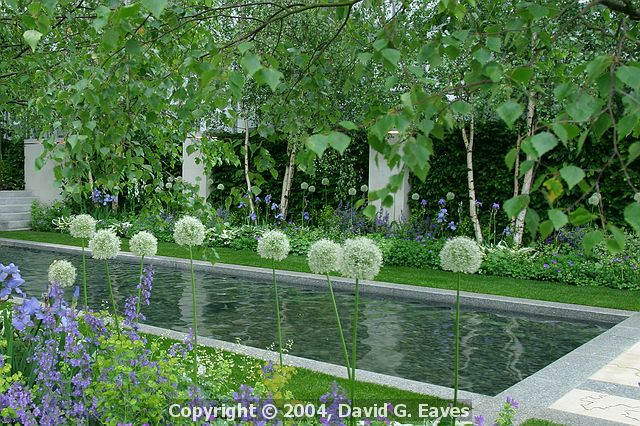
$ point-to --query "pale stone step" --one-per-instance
(22, 193)
(14, 225)
(13, 200)
(14, 216)
(15, 208)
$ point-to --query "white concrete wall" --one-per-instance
(379, 174)
(192, 171)
(41, 183)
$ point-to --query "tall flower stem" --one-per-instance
(344, 343)
(457, 356)
(195, 320)
(354, 342)
(275, 289)
(113, 300)
(140, 285)
(84, 278)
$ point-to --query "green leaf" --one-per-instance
(318, 143)
(155, 6)
(572, 175)
(269, 76)
(580, 216)
(634, 152)
(515, 205)
(391, 55)
(521, 74)
(251, 62)
(546, 228)
(32, 37)
(583, 108)
(590, 240)
(348, 125)
(510, 158)
(431, 54)
(531, 220)
(494, 43)
(558, 218)
(629, 76)
(339, 141)
(618, 242)
(369, 211)
(461, 107)
(625, 125)
(482, 55)
(543, 142)
(632, 216)
(509, 111)
(39, 163)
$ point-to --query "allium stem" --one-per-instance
(457, 356)
(84, 278)
(113, 300)
(140, 286)
(344, 343)
(275, 289)
(354, 343)
(195, 320)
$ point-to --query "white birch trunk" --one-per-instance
(473, 212)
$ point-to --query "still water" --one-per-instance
(401, 338)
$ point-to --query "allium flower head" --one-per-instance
(595, 199)
(636, 197)
(62, 272)
(324, 256)
(104, 244)
(352, 191)
(325, 181)
(144, 244)
(188, 231)
(415, 196)
(461, 254)
(82, 226)
(220, 187)
(364, 188)
(361, 258)
(273, 245)
(312, 189)
(304, 186)
(450, 196)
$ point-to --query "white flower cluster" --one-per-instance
(595, 199)
(144, 244)
(325, 181)
(324, 256)
(352, 191)
(461, 254)
(415, 196)
(273, 245)
(82, 226)
(188, 231)
(62, 272)
(361, 258)
(304, 186)
(364, 188)
(636, 197)
(450, 196)
(104, 244)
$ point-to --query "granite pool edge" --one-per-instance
(384, 289)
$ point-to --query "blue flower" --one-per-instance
(253, 216)
(267, 199)
(96, 196)
(242, 205)
(442, 216)
(512, 402)
(107, 199)
(441, 202)
(507, 231)
(274, 206)
(478, 203)
(305, 215)
(423, 202)
(258, 199)
(495, 206)
(452, 226)
(279, 216)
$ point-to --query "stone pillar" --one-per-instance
(379, 174)
(41, 183)
(193, 171)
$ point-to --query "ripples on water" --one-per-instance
(401, 338)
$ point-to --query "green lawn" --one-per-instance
(540, 290)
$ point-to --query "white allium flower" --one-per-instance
(158, 189)
(324, 256)
(82, 226)
(594, 200)
(188, 231)
(144, 244)
(304, 186)
(273, 245)
(104, 244)
(170, 178)
(461, 254)
(364, 188)
(636, 197)
(361, 258)
(312, 188)
(415, 196)
(62, 272)
(352, 191)
(450, 196)
(325, 181)
(168, 185)
(220, 187)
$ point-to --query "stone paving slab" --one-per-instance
(601, 406)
